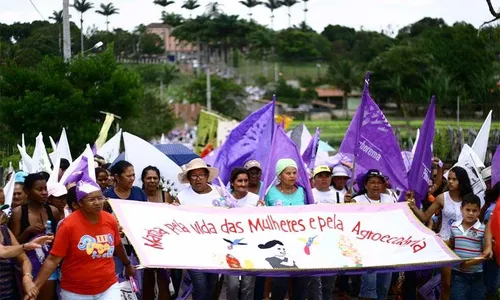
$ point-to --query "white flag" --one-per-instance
(480, 144)
(142, 154)
(41, 161)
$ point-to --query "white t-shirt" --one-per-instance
(189, 197)
(249, 200)
(331, 196)
(384, 198)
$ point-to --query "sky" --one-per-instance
(374, 15)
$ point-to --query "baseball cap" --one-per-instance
(486, 173)
(321, 169)
(56, 189)
(20, 176)
(252, 164)
(339, 171)
(374, 173)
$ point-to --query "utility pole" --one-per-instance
(458, 111)
(209, 90)
(66, 32)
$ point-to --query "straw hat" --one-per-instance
(194, 164)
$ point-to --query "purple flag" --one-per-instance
(79, 172)
(94, 149)
(495, 167)
(309, 155)
(251, 139)
(284, 147)
(420, 171)
(371, 140)
(209, 159)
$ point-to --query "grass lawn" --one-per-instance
(288, 71)
(333, 131)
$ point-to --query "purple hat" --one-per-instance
(85, 186)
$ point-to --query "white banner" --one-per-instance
(223, 130)
(281, 240)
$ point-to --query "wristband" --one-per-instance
(28, 275)
(440, 164)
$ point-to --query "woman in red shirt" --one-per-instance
(85, 243)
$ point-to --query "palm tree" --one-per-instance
(171, 19)
(82, 6)
(272, 5)
(57, 16)
(289, 4)
(107, 10)
(305, 10)
(164, 4)
(190, 5)
(344, 75)
(250, 4)
(213, 9)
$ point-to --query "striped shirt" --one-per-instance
(468, 243)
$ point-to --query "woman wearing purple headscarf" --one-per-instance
(87, 240)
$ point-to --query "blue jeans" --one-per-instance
(491, 278)
(467, 286)
(375, 285)
(203, 284)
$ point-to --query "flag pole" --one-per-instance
(360, 122)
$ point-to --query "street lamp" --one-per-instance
(96, 46)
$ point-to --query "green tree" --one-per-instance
(345, 76)
(305, 10)
(296, 45)
(227, 96)
(82, 6)
(107, 11)
(171, 19)
(289, 4)
(273, 5)
(250, 4)
(151, 44)
(57, 16)
(153, 117)
(190, 5)
(164, 4)
(69, 95)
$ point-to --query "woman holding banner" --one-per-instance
(450, 204)
(85, 244)
(374, 285)
(239, 187)
(287, 193)
(151, 185)
(200, 193)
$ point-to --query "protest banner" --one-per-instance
(280, 241)
(224, 128)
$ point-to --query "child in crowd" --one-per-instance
(466, 240)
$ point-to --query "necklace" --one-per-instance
(370, 200)
(291, 191)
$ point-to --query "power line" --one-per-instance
(34, 6)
